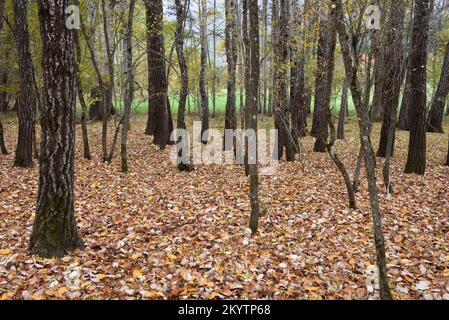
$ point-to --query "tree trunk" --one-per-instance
(86, 148)
(392, 84)
(343, 111)
(181, 16)
(203, 72)
(391, 78)
(325, 73)
(129, 89)
(403, 120)
(231, 57)
(252, 104)
(416, 159)
(109, 90)
(26, 99)
(447, 160)
(3, 149)
(280, 98)
(158, 116)
(54, 229)
(435, 121)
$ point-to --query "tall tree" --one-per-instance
(181, 16)
(158, 117)
(435, 120)
(3, 149)
(27, 99)
(109, 89)
(203, 71)
(324, 77)
(392, 85)
(252, 105)
(351, 61)
(54, 229)
(129, 88)
(392, 72)
(86, 148)
(343, 110)
(280, 97)
(403, 120)
(416, 159)
(231, 58)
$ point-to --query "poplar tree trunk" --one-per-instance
(231, 58)
(391, 84)
(343, 111)
(435, 120)
(416, 159)
(158, 117)
(54, 229)
(26, 98)
(403, 120)
(325, 73)
(181, 16)
(280, 98)
(129, 88)
(3, 149)
(86, 148)
(252, 105)
(203, 73)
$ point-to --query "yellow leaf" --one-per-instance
(137, 273)
(171, 256)
(62, 290)
(5, 251)
(311, 288)
(136, 256)
(101, 276)
(446, 273)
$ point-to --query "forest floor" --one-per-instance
(157, 233)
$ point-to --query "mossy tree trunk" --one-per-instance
(54, 229)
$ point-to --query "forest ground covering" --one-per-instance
(157, 233)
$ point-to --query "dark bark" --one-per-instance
(203, 73)
(26, 98)
(343, 111)
(379, 75)
(109, 89)
(324, 77)
(158, 117)
(436, 114)
(338, 163)
(231, 58)
(391, 84)
(3, 149)
(280, 98)
(86, 148)
(181, 15)
(54, 229)
(3, 81)
(252, 106)
(416, 159)
(403, 120)
(129, 89)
